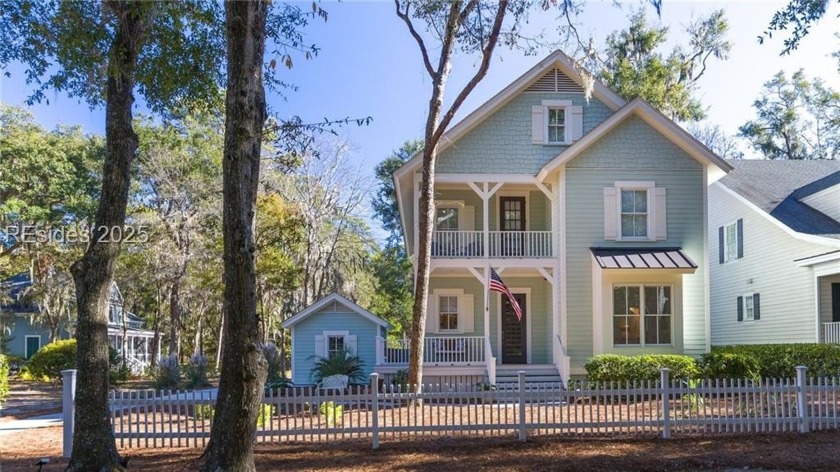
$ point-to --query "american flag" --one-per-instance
(497, 285)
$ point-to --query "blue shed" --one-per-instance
(329, 325)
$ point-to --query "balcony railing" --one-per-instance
(831, 333)
(517, 244)
(437, 350)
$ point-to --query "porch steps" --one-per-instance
(535, 375)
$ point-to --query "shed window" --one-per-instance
(335, 345)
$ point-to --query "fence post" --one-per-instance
(522, 436)
(666, 402)
(802, 398)
(68, 399)
(374, 391)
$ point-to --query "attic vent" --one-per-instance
(555, 81)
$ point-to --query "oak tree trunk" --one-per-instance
(244, 368)
(175, 318)
(94, 447)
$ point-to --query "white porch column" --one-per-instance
(146, 349)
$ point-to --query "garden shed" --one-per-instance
(330, 325)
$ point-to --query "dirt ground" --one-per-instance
(817, 451)
(28, 399)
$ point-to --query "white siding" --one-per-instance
(767, 268)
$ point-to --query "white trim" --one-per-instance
(484, 178)
(26, 344)
(726, 256)
(818, 259)
(334, 297)
(556, 105)
(597, 307)
(707, 296)
(665, 126)
(744, 307)
(647, 186)
(560, 214)
(823, 241)
(642, 285)
(522, 291)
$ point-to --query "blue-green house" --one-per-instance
(593, 211)
(26, 330)
(329, 325)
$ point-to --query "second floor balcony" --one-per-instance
(499, 244)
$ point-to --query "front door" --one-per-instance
(835, 302)
(512, 218)
(33, 343)
(514, 333)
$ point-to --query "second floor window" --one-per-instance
(556, 125)
(634, 213)
(446, 219)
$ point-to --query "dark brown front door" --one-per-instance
(512, 218)
(514, 334)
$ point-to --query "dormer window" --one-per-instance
(556, 125)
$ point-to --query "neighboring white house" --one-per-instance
(776, 272)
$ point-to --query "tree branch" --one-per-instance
(487, 55)
(417, 37)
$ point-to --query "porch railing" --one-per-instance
(831, 333)
(502, 244)
(458, 244)
(520, 244)
(437, 350)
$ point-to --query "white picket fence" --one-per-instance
(184, 419)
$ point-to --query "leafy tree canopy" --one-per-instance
(634, 66)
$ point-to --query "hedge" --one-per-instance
(51, 359)
(4, 379)
(780, 360)
(616, 368)
(729, 365)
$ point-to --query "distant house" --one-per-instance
(26, 332)
(330, 325)
(775, 273)
(591, 210)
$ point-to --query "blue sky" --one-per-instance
(370, 66)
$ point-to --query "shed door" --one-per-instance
(33, 343)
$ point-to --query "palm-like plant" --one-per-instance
(340, 362)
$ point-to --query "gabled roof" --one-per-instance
(558, 59)
(331, 298)
(777, 187)
(642, 109)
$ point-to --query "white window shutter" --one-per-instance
(320, 346)
(466, 313)
(351, 344)
(610, 213)
(660, 215)
(431, 314)
(574, 124)
(538, 124)
(467, 218)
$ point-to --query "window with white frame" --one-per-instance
(730, 246)
(634, 213)
(556, 131)
(335, 344)
(641, 309)
(749, 308)
(448, 312)
(446, 218)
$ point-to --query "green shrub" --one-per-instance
(729, 365)
(118, 371)
(780, 360)
(616, 368)
(264, 415)
(167, 373)
(4, 379)
(204, 412)
(51, 359)
(331, 412)
(341, 362)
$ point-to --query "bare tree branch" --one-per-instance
(416, 35)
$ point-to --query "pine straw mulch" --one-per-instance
(783, 451)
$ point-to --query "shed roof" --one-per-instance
(643, 258)
(333, 298)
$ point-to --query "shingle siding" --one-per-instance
(501, 144)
